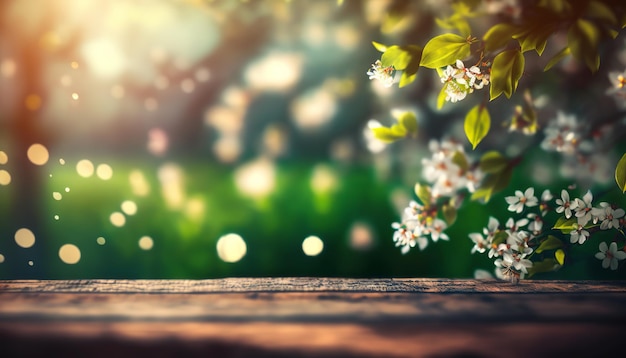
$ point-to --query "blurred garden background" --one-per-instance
(202, 139)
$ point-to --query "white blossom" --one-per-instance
(459, 80)
(480, 243)
(517, 202)
(610, 255)
(562, 134)
(383, 74)
(610, 218)
(580, 235)
(565, 205)
(583, 208)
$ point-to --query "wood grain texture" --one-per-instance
(330, 317)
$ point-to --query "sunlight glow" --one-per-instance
(275, 72)
(104, 57)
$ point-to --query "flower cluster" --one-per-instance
(562, 134)
(583, 216)
(384, 74)
(418, 222)
(583, 159)
(511, 244)
(448, 172)
(459, 81)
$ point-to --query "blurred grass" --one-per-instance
(273, 227)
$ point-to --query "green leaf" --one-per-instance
(498, 36)
(423, 193)
(409, 122)
(445, 49)
(410, 72)
(506, 71)
(396, 57)
(525, 117)
(546, 265)
(565, 225)
(559, 255)
(500, 237)
(441, 98)
(449, 213)
(620, 174)
(558, 57)
(459, 159)
(477, 123)
(492, 184)
(389, 135)
(550, 243)
(403, 58)
(493, 162)
(380, 47)
(535, 38)
(600, 11)
(582, 39)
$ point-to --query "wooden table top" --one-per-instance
(395, 317)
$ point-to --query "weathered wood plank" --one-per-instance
(306, 284)
(313, 317)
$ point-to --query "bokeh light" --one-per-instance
(276, 71)
(24, 238)
(231, 248)
(1, 258)
(85, 168)
(323, 179)
(101, 240)
(38, 154)
(4, 158)
(104, 171)
(129, 207)
(146, 243)
(69, 254)
(33, 102)
(117, 219)
(8, 67)
(138, 183)
(57, 196)
(361, 236)
(312, 246)
(256, 179)
(5, 177)
(171, 178)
